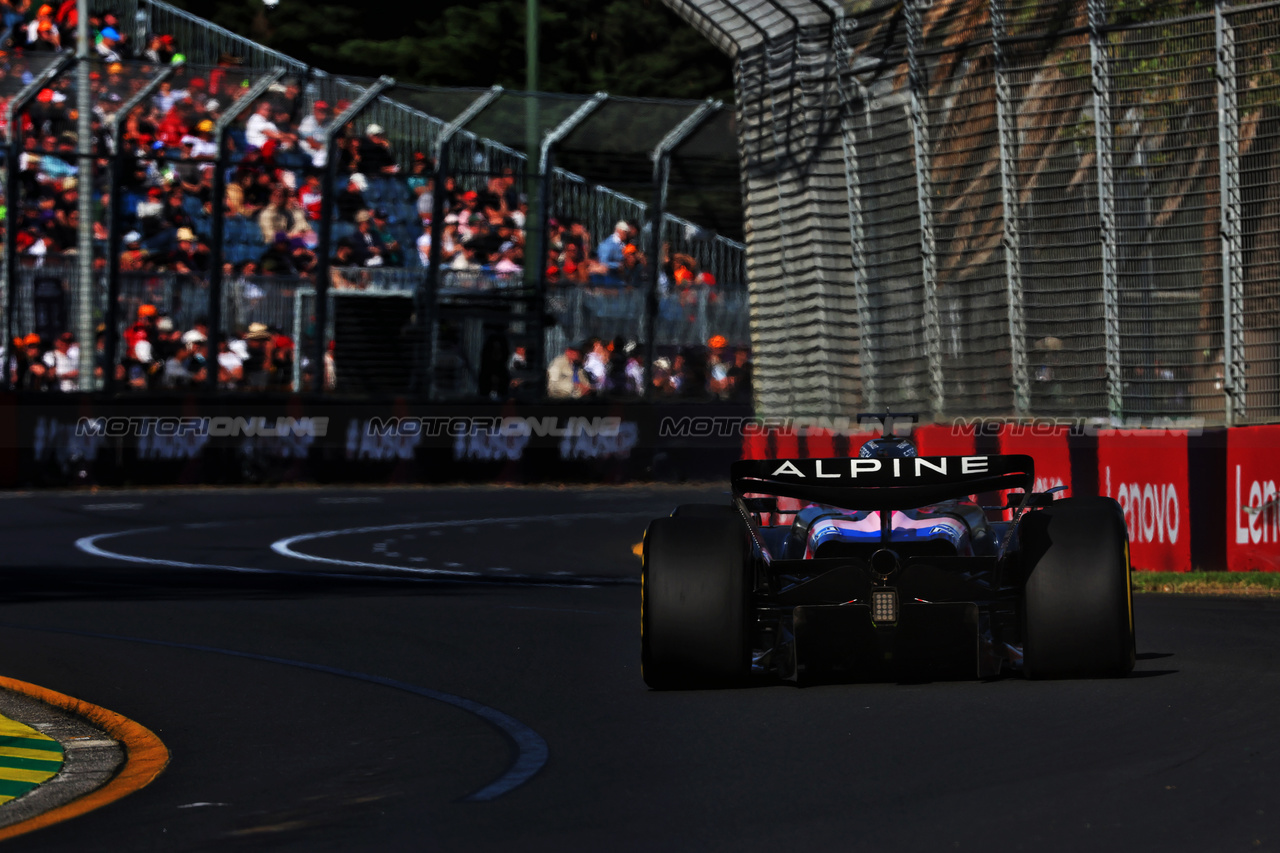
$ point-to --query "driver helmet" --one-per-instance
(887, 448)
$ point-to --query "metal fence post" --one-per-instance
(431, 287)
(1229, 202)
(323, 248)
(219, 194)
(1101, 80)
(661, 157)
(1012, 240)
(111, 337)
(546, 164)
(919, 86)
(13, 113)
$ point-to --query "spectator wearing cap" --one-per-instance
(257, 365)
(134, 257)
(718, 366)
(351, 200)
(425, 203)
(44, 16)
(200, 141)
(420, 172)
(392, 253)
(33, 373)
(373, 152)
(310, 197)
(311, 133)
(47, 38)
(150, 212)
(188, 257)
(108, 44)
(370, 250)
(197, 361)
(158, 50)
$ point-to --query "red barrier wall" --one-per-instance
(1253, 505)
(1049, 449)
(944, 440)
(1147, 474)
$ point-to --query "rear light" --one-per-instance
(884, 605)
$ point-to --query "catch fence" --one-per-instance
(1041, 209)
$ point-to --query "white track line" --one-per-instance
(89, 545)
(285, 547)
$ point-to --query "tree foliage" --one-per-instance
(624, 47)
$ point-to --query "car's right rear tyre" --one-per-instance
(694, 603)
(1077, 605)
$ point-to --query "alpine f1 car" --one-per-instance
(885, 567)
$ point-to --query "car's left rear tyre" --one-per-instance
(694, 603)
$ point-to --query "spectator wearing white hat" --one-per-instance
(612, 251)
(374, 152)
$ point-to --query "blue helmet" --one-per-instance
(887, 448)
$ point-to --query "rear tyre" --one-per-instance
(1077, 608)
(694, 603)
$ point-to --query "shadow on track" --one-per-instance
(70, 583)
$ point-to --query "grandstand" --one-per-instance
(213, 205)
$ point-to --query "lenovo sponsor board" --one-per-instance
(1253, 499)
(1147, 475)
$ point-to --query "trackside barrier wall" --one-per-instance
(73, 439)
(1208, 501)
(1253, 506)
(1148, 476)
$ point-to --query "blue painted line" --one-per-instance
(530, 748)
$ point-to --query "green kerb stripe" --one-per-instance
(53, 765)
(31, 743)
(15, 789)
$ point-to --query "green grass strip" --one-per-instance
(1208, 583)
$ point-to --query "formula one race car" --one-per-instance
(885, 567)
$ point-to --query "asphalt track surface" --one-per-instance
(441, 676)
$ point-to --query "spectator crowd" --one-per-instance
(599, 368)
(383, 209)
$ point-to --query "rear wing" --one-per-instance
(898, 483)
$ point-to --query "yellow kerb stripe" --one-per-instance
(18, 752)
(13, 728)
(12, 774)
